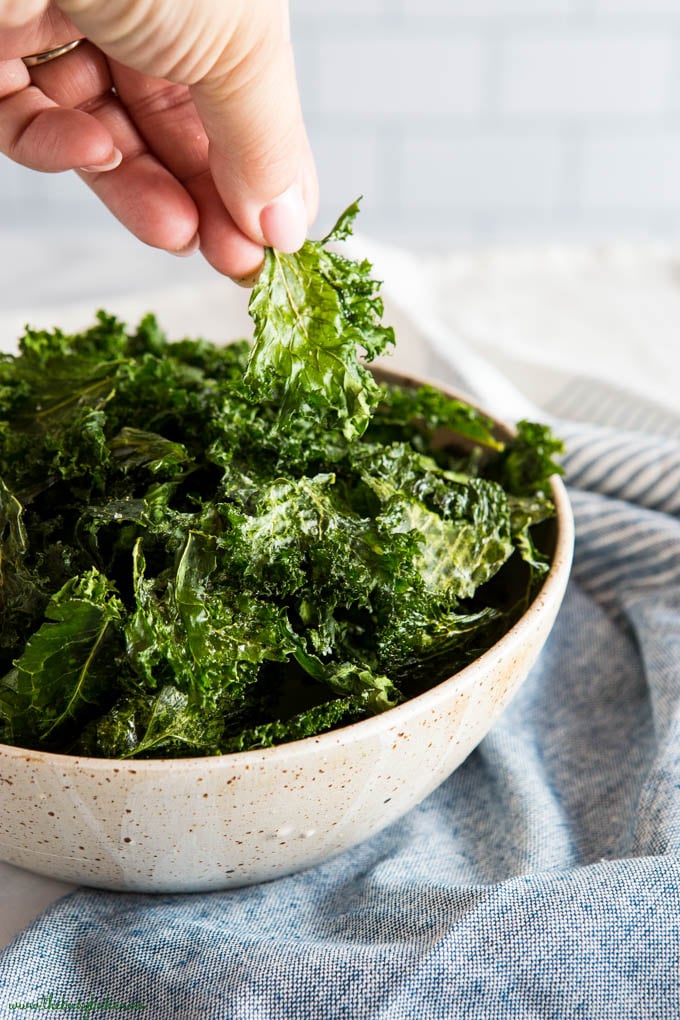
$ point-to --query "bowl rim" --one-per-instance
(552, 589)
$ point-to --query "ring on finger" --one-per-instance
(37, 59)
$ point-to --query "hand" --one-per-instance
(184, 118)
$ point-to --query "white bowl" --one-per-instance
(192, 824)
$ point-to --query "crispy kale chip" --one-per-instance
(311, 311)
(208, 549)
(65, 670)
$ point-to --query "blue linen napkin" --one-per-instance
(542, 880)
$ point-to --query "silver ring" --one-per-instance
(36, 59)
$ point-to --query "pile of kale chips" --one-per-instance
(208, 549)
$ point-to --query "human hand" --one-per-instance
(184, 118)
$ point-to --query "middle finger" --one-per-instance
(141, 192)
(166, 117)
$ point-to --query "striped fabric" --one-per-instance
(641, 469)
(582, 399)
(625, 493)
(621, 551)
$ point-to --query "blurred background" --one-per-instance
(488, 119)
(465, 121)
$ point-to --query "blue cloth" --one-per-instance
(541, 880)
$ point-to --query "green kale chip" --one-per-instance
(311, 311)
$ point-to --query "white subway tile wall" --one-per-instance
(485, 8)
(399, 79)
(508, 170)
(641, 167)
(470, 120)
(592, 74)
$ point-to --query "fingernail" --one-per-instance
(251, 279)
(189, 249)
(284, 221)
(110, 164)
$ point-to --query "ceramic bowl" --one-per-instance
(210, 823)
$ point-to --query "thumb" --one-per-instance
(260, 158)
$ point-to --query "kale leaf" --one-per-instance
(65, 672)
(311, 311)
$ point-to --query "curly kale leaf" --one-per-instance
(417, 413)
(164, 723)
(65, 672)
(463, 523)
(525, 513)
(526, 464)
(133, 448)
(22, 599)
(83, 408)
(207, 641)
(524, 468)
(425, 639)
(309, 723)
(311, 311)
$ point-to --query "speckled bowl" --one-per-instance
(209, 823)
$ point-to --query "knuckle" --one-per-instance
(161, 99)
